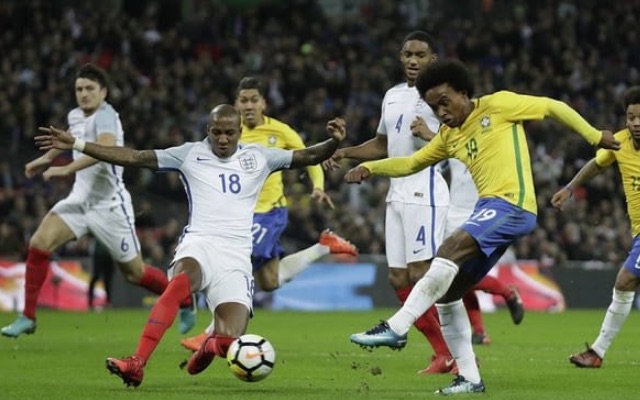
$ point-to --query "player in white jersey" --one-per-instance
(222, 180)
(464, 194)
(98, 203)
(417, 204)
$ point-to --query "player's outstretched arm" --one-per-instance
(372, 149)
(586, 173)
(54, 138)
(397, 167)
(104, 139)
(318, 153)
(40, 164)
(569, 117)
(394, 167)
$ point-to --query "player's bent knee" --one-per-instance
(459, 247)
(231, 319)
(132, 271)
(267, 282)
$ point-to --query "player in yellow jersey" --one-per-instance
(487, 135)
(271, 214)
(628, 279)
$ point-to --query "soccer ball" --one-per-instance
(251, 358)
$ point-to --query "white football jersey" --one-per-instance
(401, 105)
(464, 194)
(101, 183)
(222, 192)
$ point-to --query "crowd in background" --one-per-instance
(171, 61)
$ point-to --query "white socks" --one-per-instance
(456, 330)
(617, 313)
(432, 286)
(292, 265)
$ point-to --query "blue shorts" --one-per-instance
(267, 229)
(495, 224)
(632, 263)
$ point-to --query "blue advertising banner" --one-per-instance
(328, 286)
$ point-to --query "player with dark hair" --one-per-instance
(487, 135)
(223, 180)
(271, 214)
(99, 203)
(628, 278)
(416, 213)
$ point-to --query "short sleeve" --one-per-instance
(277, 159)
(106, 121)
(173, 157)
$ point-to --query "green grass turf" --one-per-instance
(65, 360)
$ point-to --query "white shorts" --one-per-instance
(112, 225)
(226, 270)
(413, 232)
(455, 218)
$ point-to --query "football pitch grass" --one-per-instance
(315, 360)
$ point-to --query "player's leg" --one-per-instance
(456, 326)
(231, 321)
(266, 273)
(397, 260)
(495, 224)
(230, 299)
(455, 218)
(471, 304)
(95, 277)
(413, 233)
(155, 280)
(510, 294)
(107, 278)
(115, 228)
(427, 324)
(627, 281)
(98, 260)
(456, 329)
(268, 270)
(52, 233)
(432, 286)
(329, 242)
(188, 278)
(424, 228)
(267, 251)
(193, 343)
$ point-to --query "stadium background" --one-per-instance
(170, 61)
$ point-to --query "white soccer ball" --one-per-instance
(251, 358)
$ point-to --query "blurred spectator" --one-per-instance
(171, 60)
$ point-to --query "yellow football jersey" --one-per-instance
(628, 158)
(276, 134)
(492, 144)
